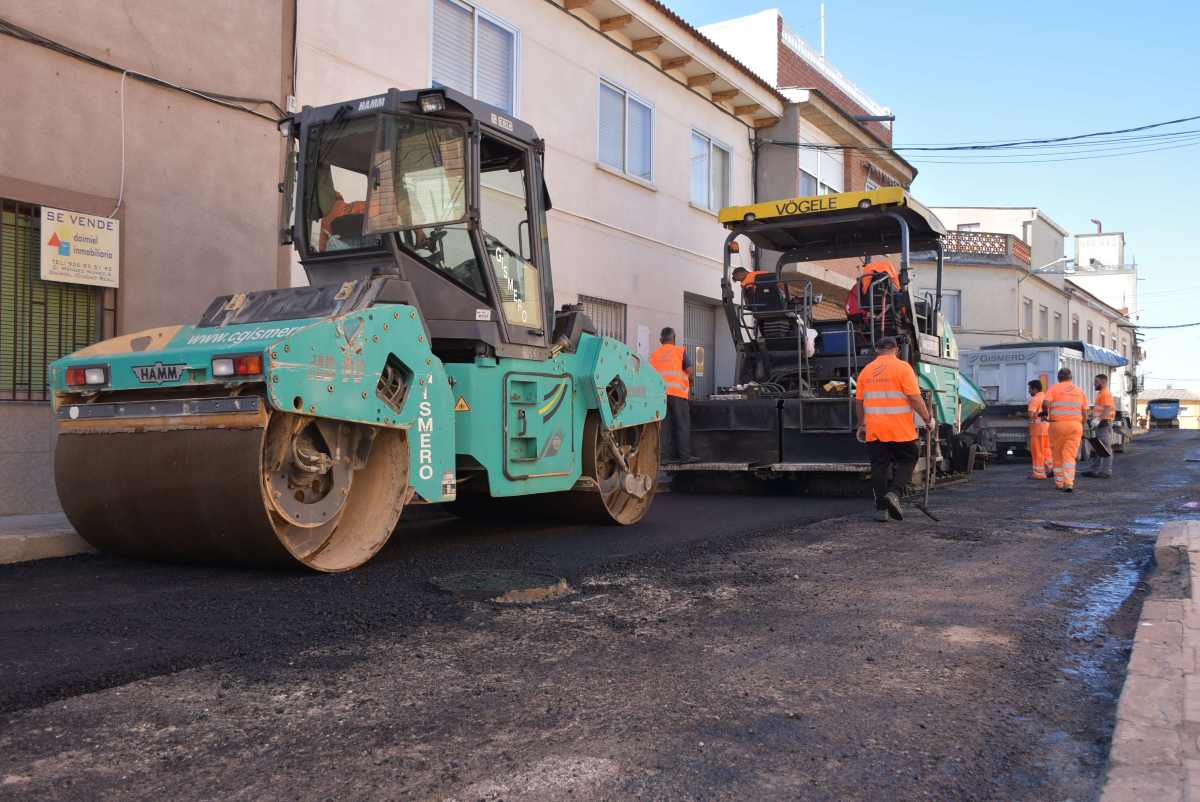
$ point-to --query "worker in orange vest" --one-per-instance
(1067, 407)
(1039, 433)
(746, 277)
(672, 363)
(875, 265)
(885, 400)
(1104, 412)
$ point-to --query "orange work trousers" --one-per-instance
(1039, 447)
(1065, 437)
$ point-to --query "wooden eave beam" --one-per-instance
(725, 94)
(765, 122)
(649, 43)
(615, 23)
(676, 63)
(703, 79)
(572, 5)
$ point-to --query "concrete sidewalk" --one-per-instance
(1156, 746)
(37, 537)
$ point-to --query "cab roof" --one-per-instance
(838, 225)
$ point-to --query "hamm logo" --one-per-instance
(159, 373)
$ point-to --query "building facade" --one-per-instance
(159, 160)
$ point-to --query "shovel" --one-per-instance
(923, 505)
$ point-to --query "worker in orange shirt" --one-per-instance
(1039, 433)
(1104, 412)
(878, 264)
(1067, 407)
(672, 363)
(885, 400)
(747, 277)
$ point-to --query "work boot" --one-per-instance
(893, 506)
(1068, 489)
(882, 516)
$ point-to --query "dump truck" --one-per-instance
(1003, 372)
(801, 341)
(424, 363)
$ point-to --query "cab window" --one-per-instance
(504, 211)
(336, 194)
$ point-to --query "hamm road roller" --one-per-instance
(425, 363)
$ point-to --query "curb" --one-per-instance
(1155, 749)
(19, 547)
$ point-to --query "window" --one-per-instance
(475, 53)
(1103, 342)
(808, 184)
(609, 316)
(710, 173)
(504, 210)
(968, 226)
(1058, 330)
(870, 186)
(1074, 327)
(952, 306)
(626, 135)
(1043, 323)
(1125, 348)
(1089, 333)
(1027, 317)
(827, 190)
(40, 321)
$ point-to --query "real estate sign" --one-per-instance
(80, 248)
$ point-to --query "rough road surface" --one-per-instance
(730, 648)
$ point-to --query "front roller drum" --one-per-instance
(279, 494)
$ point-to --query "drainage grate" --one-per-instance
(504, 587)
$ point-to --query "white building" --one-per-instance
(647, 126)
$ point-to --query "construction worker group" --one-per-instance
(1058, 418)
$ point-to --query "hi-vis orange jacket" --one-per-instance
(1067, 403)
(668, 361)
(884, 386)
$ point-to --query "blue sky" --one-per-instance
(971, 71)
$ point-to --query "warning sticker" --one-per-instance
(462, 405)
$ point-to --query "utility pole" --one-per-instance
(822, 30)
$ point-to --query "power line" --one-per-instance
(1176, 326)
(1055, 161)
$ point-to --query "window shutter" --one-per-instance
(497, 55)
(641, 140)
(699, 192)
(453, 46)
(720, 178)
(612, 127)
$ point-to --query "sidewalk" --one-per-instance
(1156, 746)
(37, 537)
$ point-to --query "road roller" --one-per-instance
(424, 363)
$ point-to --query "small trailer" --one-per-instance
(1003, 373)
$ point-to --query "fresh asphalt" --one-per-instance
(731, 647)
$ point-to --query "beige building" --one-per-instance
(174, 138)
(990, 295)
(1046, 239)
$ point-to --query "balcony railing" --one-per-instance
(998, 247)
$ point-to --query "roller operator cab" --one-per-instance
(424, 363)
(802, 333)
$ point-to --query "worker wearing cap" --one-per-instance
(672, 363)
(1104, 412)
(1039, 433)
(885, 400)
(747, 277)
(1067, 407)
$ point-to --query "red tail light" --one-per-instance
(240, 365)
(87, 376)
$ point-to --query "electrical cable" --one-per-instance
(121, 193)
(228, 101)
(1176, 326)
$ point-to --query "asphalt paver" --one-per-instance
(731, 647)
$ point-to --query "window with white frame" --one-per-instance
(827, 190)
(952, 306)
(1027, 317)
(1074, 327)
(475, 53)
(808, 183)
(1043, 323)
(1058, 331)
(968, 226)
(1089, 333)
(626, 132)
(710, 172)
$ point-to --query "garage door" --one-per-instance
(698, 338)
